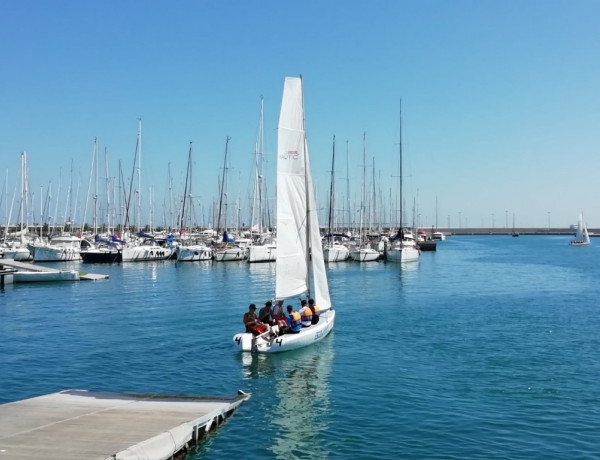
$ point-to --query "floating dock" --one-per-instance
(82, 425)
(24, 272)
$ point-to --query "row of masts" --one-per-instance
(121, 206)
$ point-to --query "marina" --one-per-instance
(483, 348)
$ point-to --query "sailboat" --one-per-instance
(403, 247)
(264, 245)
(363, 252)
(334, 250)
(190, 250)
(299, 267)
(514, 232)
(582, 238)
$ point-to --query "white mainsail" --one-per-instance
(298, 236)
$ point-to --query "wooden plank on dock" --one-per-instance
(81, 424)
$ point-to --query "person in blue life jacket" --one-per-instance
(315, 311)
(305, 314)
(294, 321)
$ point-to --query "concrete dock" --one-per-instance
(81, 425)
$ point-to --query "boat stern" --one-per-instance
(243, 341)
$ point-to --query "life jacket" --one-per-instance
(306, 316)
(295, 321)
(315, 310)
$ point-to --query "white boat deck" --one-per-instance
(81, 425)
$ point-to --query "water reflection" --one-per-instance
(299, 400)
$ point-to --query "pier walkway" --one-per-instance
(82, 425)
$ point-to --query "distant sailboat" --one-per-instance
(403, 247)
(582, 238)
(333, 250)
(514, 232)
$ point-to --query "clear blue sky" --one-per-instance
(500, 99)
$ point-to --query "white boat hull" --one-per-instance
(145, 253)
(228, 255)
(17, 254)
(193, 253)
(307, 336)
(261, 253)
(56, 254)
(403, 255)
(364, 255)
(336, 253)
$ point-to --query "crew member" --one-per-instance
(294, 321)
(315, 311)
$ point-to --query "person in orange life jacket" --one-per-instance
(305, 314)
(294, 321)
(265, 314)
(252, 323)
(315, 311)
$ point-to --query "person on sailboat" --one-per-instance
(294, 321)
(252, 322)
(265, 314)
(305, 314)
(315, 311)
(279, 317)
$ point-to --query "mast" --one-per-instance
(95, 196)
(223, 190)
(308, 191)
(23, 187)
(331, 197)
(107, 185)
(139, 175)
(348, 188)
(260, 166)
(401, 229)
(362, 192)
(188, 179)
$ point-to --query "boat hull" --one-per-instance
(145, 253)
(335, 253)
(261, 253)
(56, 254)
(307, 336)
(403, 255)
(229, 255)
(19, 254)
(98, 256)
(193, 253)
(364, 255)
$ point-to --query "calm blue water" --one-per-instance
(488, 348)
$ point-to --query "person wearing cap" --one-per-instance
(294, 321)
(315, 311)
(251, 321)
(265, 314)
(305, 314)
